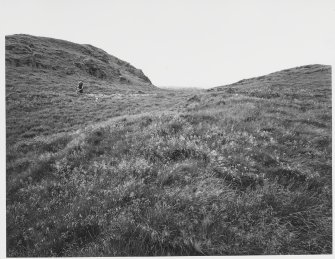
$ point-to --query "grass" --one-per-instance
(42, 110)
(239, 170)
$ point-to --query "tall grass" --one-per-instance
(247, 176)
(186, 184)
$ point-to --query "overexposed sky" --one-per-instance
(198, 43)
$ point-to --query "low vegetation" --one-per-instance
(51, 105)
(231, 171)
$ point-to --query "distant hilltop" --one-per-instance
(70, 59)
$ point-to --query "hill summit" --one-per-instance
(69, 59)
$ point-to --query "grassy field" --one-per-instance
(39, 104)
(243, 169)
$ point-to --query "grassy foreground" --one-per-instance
(235, 172)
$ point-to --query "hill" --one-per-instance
(64, 58)
(287, 83)
(243, 169)
(41, 77)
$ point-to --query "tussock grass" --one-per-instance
(248, 176)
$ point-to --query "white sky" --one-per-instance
(188, 42)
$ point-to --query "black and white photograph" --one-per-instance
(149, 128)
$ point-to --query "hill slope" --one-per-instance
(242, 169)
(287, 83)
(66, 58)
(41, 76)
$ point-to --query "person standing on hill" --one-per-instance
(80, 88)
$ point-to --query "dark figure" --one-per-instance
(80, 87)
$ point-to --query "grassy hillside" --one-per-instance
(41, 77)
(236, 170)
